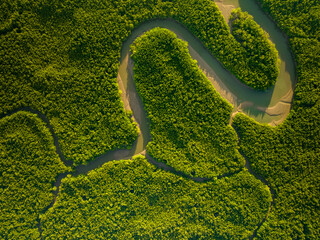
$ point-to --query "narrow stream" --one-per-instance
(271, 106)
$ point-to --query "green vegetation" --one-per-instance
(297, 18)
(256, 42)
(29, 166)
(189, 120)
(205, 21)
(131, 199)
(61, 58)
(288, 155)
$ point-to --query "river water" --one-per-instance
(271, 106)
(262, 106)
(279, 98)
(255, 104)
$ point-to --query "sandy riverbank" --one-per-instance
(241, 97)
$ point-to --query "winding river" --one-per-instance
(271, 106)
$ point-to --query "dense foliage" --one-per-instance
(289, 156)
(297, 18)
(189, 120)
(256, 41)
(58, 58)
(131, 199)
(61, 58)
(205, 21)
(29, 166)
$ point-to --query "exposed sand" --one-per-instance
(225, 9)
(273, 114)
(288, 97)
(281, 109)
(124, 95)
(132, 101)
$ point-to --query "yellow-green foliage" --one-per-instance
(263, 53)
(288, 156)
(62, 58)
(189, 120)
(205, 21)
(297, 18)
(131, 199)
(29, 166)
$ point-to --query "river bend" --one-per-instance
(271, 106)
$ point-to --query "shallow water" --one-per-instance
(271, 106)
(234, 91)
(282, 92)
